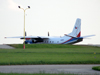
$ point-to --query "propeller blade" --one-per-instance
(48, 34)
(25, 34)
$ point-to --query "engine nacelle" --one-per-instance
(35, 40)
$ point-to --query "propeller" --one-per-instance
(25, 33)
(48, 34)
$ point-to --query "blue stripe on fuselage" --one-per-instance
(72, 40)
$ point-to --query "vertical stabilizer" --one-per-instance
(77, 29)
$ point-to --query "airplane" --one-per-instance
(71, 38)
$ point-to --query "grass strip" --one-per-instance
(96, 68)
(49, 46)
(49, 56)
(43, 62)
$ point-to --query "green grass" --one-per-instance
(96, 68)
(70, 55)
(49, 46)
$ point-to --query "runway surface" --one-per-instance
(74, 69)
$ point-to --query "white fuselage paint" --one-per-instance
(56, 40)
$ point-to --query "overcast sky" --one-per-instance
(56, 16)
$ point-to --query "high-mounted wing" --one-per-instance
(31, 37)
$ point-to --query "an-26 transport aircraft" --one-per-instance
(71, 38)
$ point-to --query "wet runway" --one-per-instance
(74, 69)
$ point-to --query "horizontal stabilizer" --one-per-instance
(80, 37)
(88, 36)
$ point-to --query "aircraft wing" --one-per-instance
(32, 37)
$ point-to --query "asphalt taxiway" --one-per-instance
(74, 69)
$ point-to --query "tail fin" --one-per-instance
(77, 29)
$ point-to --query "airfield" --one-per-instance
(66, 59)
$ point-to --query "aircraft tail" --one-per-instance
(77, 29)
